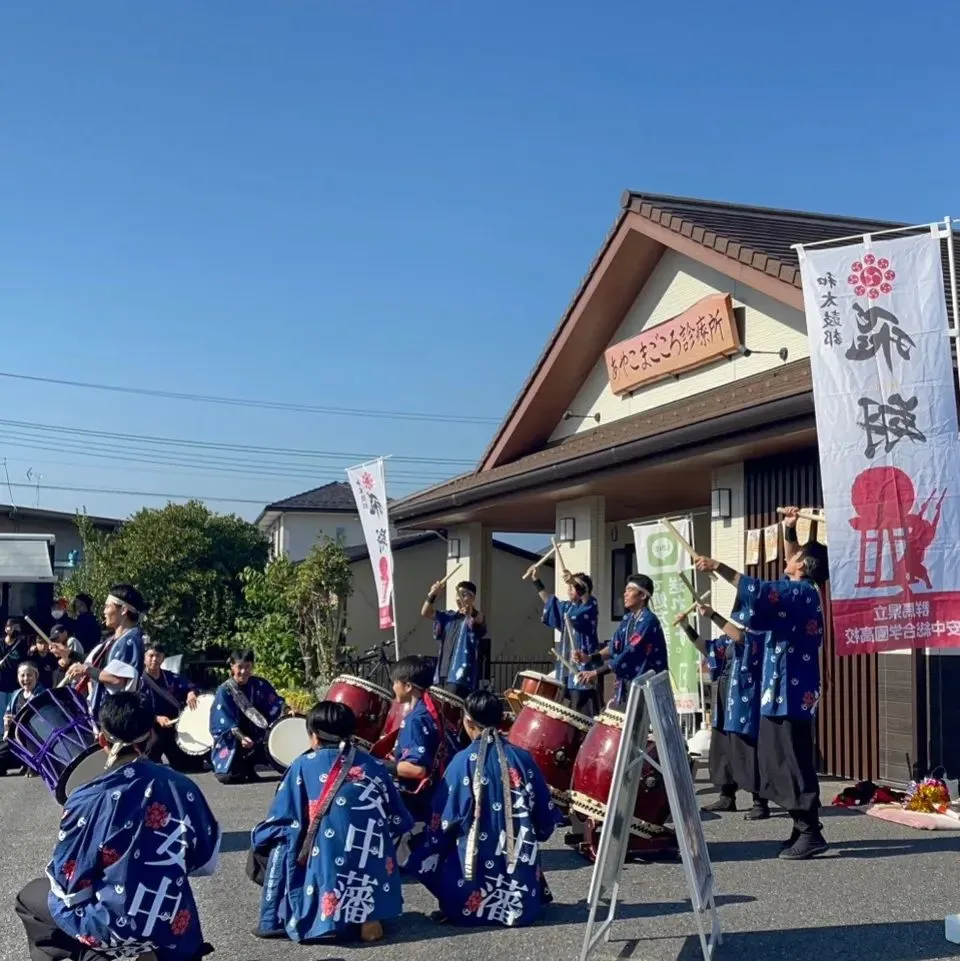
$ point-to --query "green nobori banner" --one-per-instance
(662, 559)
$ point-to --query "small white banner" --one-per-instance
(883, 387)
(370, 492)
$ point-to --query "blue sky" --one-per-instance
(387, 206)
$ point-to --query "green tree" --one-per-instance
(185, 560)
(295, 618)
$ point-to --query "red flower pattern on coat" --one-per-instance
(813, 626)
(69, 869)
(328, 904)
(515, 779)
(473, 903)
(809, 699)
(635, 639)
(84, 884)
(156, 816)
(435, 822)
(109, 856)
(224, 752)
(181, 921)
(355, 773)
(773, 597)
(89, 940)
(388, 866)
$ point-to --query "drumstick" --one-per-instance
(33, 624)
(447, 578)
(678, 537)
(689, 586)
(693, 606)
(808, 514)
(529, 571)
(556, 548)
(564, 661)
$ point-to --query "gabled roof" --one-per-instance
(336, 497)
(750, 244)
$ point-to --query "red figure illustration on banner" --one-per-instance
(893, 540)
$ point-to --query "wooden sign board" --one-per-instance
(705, 332)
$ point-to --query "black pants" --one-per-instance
(8, 762)
(244, 765)
(788, 773)
(165, 744)
(585, 702)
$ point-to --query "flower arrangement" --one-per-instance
(929, 796)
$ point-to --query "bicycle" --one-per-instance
(373, 665)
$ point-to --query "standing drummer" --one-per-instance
(462, 643)
(576, 618)
(637, 646)
(169, 694)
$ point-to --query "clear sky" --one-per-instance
(387, 206)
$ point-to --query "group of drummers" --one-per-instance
(437, 780)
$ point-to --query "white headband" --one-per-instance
(113, 599)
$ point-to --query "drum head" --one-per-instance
(193, 728)
(87, 767)
(287, 740)
(447, 697)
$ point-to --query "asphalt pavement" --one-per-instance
(882, 892)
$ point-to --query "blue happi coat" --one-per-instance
(124, 659)
(458, 640)
(464, 858)
(177, 687)
(792, 614)
(582, 621)
(350, 874)
(425, 740)
(741, 712)
(637, 646)
(226, 716)
(128, 843)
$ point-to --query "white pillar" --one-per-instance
(727, 536)
(476, 558)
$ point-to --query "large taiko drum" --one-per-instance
(553, 735)
(534, 684)
(590, 792)
(368, 701)
(451, 708)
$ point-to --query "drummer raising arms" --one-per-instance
(118, 882)
(790, 611)
(169, 693)
(576, 618)
(461, 635)
(244, 708)
(637, 646)
(117, 663)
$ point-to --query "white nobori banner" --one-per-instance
(370, 492)
(883, 386)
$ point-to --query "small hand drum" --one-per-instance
(193, 728)
(51, 733)
(287, 739)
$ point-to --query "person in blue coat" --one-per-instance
(170, 694)
(735, 670)
(480, 856)
(118, 883)
(576, 619)
(790, 612)
(243, 709)
(637, 646)
(326, 854)
(463, 648)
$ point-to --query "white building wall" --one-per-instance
(299, 532)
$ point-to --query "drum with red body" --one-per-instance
(451, 707)
(533, 684)
(553, 734)
(590, 792)
(368, 701)
(398, 711)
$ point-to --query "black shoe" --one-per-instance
(268, 935)
(722, 805)
(808, 845)
(795, 834)
(759, 812)
(438, 917)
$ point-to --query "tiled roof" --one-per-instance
(336, 497)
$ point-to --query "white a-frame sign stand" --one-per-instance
(650, 702)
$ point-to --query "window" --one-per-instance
(622, 561)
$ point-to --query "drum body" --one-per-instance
(287, 739)
(193, 727)
(87, 767)
(453, 710)
(553, 734)
(398, 711)
(368, 701)
(590, 792)
(533, 684)
(50, 732)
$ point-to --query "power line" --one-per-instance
(125, 493)
(261, 404)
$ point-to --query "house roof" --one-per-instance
(359, 552)
(15, 513)
(750, 244)
(333, 498)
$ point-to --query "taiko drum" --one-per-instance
(368, 701)
(590, 791)
(535, 684)
(553, 734)
(398, 711)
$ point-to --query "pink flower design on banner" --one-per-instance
(871, 277)
(366, 478)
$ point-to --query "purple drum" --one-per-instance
(52, 734)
